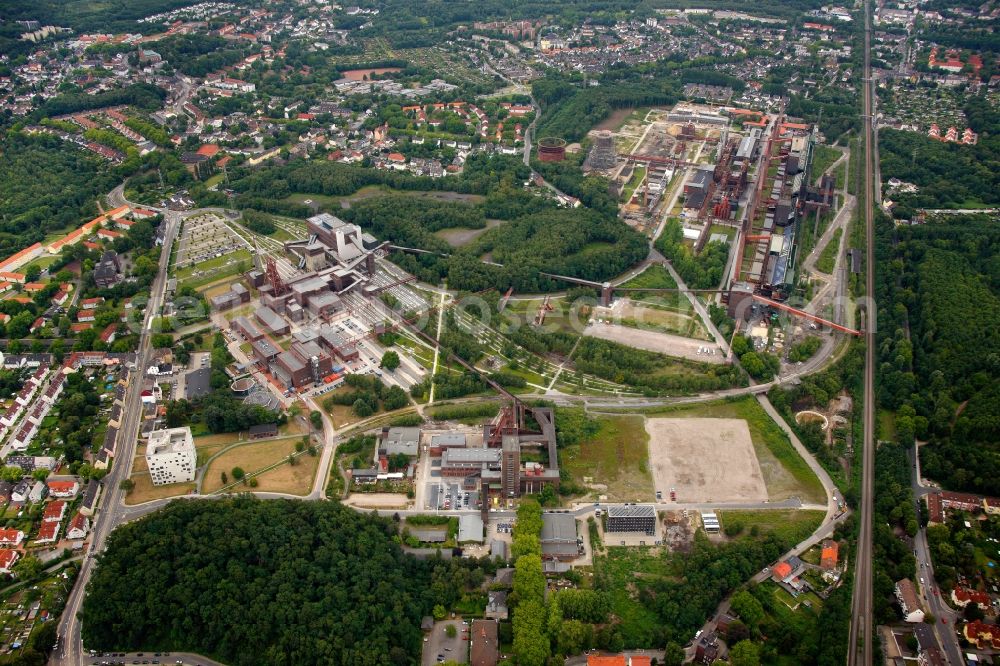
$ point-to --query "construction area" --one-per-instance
(704, 460)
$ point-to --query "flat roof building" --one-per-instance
(631, 518)
(559, 537)
(171, 456)
(400, 440)
(463, 462)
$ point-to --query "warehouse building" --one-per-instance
(559, 538)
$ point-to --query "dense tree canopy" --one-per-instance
(939, 329)
(277, 582)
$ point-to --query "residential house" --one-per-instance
(982, 635)
(90, 497)
(707, 648)
(54, 511)
(485, 639)
(496, 606)
(38, 492)
(7, 560)
(828, 556)
(11, 538)
(48, 532)
(63, 489)
(21, 490)
(963, 596)
(906, 594)
(78, 527)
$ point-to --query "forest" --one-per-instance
(939, 329)
(578, 243)
(701, 271)
(280, 582)
(109, 16)
(46, 186)
(948, 175)
(652, 372)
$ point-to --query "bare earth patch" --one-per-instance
(663, 343)
(705, 460)
(378, 500)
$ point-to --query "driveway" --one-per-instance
(451, 649)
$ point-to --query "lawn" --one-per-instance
(341, 415)
(828, 257)
(786, 474)
(840, 173)
(654, 277)
(887, 425)
(251, 457)
(637, 175)
(789, 525)
(617, 458)
(214, 270)
(823, 157)
(145, 491)
(657, 277)
(292, 479)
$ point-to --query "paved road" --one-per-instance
(929, 590)
(112, 505)
(862, 637)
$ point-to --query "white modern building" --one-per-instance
(171, 456)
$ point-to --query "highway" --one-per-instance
(108, 517)
(862, 640)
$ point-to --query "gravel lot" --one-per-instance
(664, 343)
(705, 460)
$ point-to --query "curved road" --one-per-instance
(113, 511)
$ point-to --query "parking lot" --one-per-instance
(438, 647)
(444, 494)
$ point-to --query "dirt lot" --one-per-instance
(664, 343)
(706, 460)
(657, 320)
(378, 500)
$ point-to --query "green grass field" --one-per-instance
(637, 175)
(616, 457)
(828, 257)
(823, 157)
(785, 473)
(789, 525)
(621, 567)
(213, 269)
